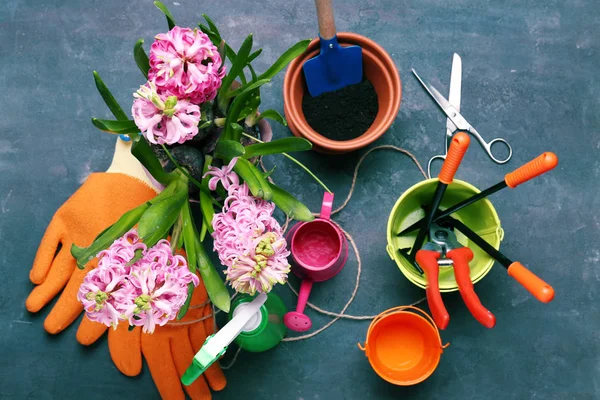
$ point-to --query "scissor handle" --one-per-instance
(488, 148)
(438, 157)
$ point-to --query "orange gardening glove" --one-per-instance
(97, 204)
(169, 351)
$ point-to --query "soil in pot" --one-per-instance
(343, 114)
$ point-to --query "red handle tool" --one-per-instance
(461, 258)
(428, 260)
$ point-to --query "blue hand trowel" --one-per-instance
(336, 66)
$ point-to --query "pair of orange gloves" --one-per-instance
(98, 203)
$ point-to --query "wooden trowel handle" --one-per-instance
(325, 17)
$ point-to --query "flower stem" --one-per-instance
(294, 160)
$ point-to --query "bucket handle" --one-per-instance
(397, 309)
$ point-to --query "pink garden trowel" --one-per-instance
(319, 251)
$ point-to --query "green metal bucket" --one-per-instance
(481, 217)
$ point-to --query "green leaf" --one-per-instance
(274, 115)
(116, 127)
(290, 205)
(206, 206)
(109, 99)
(256, 181)
(251, 106)
(188, 233)
(250, 86)
(142, 151)
(184, 308)
(285, 145)
(285, 59)
(228, 149)
(83, 255)
(212, 26)
(165, 10)
(130, 328)
(203, 230)
(139, 253)
(176, 235)
(208, 212)
(222, 52)
(216, 39)
(103, 232)
(269, 173)
(253, 73)
(160, 217)
(205, 125)
(252, 56)
(215, 287)
(237, 105)
(237, 132)
(236, 67)
(141, 59)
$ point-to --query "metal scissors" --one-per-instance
(455, 121)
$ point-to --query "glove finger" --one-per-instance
(46, 251)
(157, 352)
(183, 354)
(68, 308)
(60, 272)
(125, 348)
(198, 334)
(89, 331)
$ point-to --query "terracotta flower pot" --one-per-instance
(378, 67)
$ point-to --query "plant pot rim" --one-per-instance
(293, 111)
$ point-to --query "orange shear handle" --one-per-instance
(428, 261)
(461, 258)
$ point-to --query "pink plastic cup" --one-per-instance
(319, 251)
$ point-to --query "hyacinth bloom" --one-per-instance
(162, 118)
(147, 293)
(248, 240)
(224, 175)
(186, 63)
(265, 265)
(99, 291)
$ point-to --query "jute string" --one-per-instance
(342, 313)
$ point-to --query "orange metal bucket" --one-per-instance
(403, 345)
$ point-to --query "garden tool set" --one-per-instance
(443, 248)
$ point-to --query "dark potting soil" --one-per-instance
(344, 114)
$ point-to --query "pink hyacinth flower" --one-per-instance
(248, 240)
(122, 251)
(265, 266)
(225, 175)
(105, 293)
(162, 118)
(186, 63)
(147, 293)
(161, 292)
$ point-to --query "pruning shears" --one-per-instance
(444, 249)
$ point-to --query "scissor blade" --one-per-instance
(455, 82)
(455, 91)
(437, 97)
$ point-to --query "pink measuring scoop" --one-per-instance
(319, 251)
